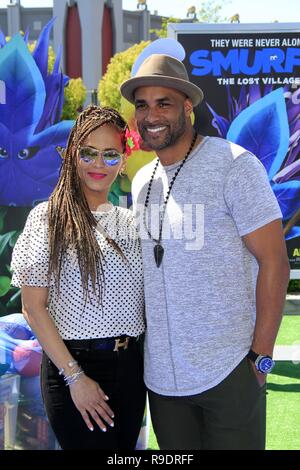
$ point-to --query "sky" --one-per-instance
(250, 11)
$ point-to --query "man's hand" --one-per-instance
(261, 378)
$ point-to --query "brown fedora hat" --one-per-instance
(164, 71)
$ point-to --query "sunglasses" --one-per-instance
(109, 157)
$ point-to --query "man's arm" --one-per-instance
(267, 244)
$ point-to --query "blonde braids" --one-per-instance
(71, 223)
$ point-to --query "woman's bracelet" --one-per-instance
(70, 379)
(70, 364)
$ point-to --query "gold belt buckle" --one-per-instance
(119, 344)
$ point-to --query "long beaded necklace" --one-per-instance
(158, 249)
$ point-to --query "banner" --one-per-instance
(250, 76)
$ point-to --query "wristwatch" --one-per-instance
(264, 364)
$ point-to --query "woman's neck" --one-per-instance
(96, 199)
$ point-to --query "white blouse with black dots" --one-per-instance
(122, 309)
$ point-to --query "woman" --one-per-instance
(78, 262)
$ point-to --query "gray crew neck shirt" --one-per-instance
(200, 303)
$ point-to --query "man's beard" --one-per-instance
(171, 137)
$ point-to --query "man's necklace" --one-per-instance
(158, 249)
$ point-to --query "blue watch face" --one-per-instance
(266, 365)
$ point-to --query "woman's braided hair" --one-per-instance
(71, 222)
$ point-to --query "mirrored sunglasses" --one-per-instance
(109, 157)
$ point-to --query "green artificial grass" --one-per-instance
(289, 332)
(152, 440)
(283, 401)
(283, 407)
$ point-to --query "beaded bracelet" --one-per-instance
(69, 364)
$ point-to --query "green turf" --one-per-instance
(152, 440)
(289, 332)
(283, 403)
(283, 407)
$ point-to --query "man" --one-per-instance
(216, 270)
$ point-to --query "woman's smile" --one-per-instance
(97, 176)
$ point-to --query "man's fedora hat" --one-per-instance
(164, 71)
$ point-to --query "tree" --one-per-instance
(75, 96)
(210, 11)
(118, 71)
(163, 32)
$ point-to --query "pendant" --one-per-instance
(158, 254)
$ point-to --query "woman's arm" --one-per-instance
(85, 392)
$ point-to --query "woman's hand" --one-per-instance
(90, 400)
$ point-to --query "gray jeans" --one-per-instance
(231, 415)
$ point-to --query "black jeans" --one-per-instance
(120, 375)
(230, 416)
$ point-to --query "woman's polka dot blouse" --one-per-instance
(122, 309)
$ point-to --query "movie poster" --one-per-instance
(251, 84)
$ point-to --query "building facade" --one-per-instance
(90, 32)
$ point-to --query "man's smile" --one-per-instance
(155, 130)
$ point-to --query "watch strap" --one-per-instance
(252, 355)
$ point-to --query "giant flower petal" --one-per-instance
(25, 88)
(287, 193)
(263, 129)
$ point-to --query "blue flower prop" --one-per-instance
(30, 126)
(268, 126)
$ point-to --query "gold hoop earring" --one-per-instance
(121, 172)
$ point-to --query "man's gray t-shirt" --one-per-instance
(200, 303)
